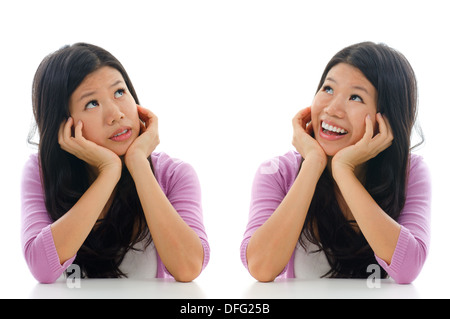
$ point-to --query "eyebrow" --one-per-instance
(90, 93)
(356, 87)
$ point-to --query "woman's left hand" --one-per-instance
(368, 147)
(148, 139)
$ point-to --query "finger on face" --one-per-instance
(302, 117)
(369, 127)
(62, 127)
(79, 129)
(309, 129)
(140, 109)
(305, 114)
(383, 123)
(385, 137)
(65, 133)
(142, 127)
(61, 131)
(66, 127)
(146, 115)
(143, 112)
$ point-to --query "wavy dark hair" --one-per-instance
(346, 249)
(65, 178)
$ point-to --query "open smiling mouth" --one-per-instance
(331, 130)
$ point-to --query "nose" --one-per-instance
(336, 107)
(113, 113)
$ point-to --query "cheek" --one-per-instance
(318, 104)
(359, 128)
(129, 107)
(90, 130)
(133, 115)
(316, 110)
(91, 134)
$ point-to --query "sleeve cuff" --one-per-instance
(398, 257)
(51, 253)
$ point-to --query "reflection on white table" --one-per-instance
(119, 289)
(224, 289)
(331, 288)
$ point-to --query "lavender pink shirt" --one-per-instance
(275, 177)
(177, 179)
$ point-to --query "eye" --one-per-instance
(328, 89)
(119, 93)
(91, 104)
(356, 98)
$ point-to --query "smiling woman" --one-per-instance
(340, 107)
(97, 194)
(352, 195)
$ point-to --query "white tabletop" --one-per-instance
(228, 289)
(227, 282)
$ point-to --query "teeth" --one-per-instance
(121, 133)
(333, 128)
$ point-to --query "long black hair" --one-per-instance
(346, 249)
(65, 178)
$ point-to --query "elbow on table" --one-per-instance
(186, 276)
(44, 277)
(186, 272)
(39, 267)
(261, 272)
(405, 277)
(263, 277)
(410, 266)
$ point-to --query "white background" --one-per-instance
(225, 79)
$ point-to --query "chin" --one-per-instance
(330, 151)
(120, 154)
(331, 154)
(119, 151)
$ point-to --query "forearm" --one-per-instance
(178, 246)
(379, 229)
(272, 245)
(71, 230)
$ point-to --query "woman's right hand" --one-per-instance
(93, 154)
(303, 141)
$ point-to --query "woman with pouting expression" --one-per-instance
(96, 194)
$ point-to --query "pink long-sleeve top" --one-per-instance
(275, 177)
(176, 178)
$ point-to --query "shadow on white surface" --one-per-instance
(280, 289)
(119, 289)
(330, 289)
